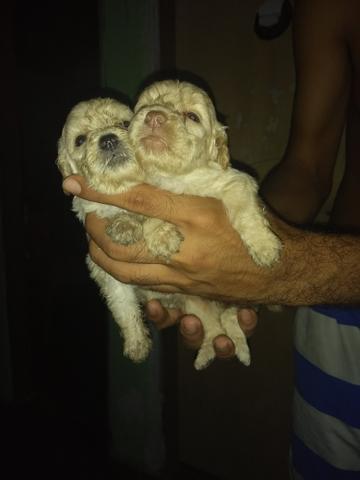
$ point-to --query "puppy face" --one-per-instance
(95, 143)
(175, 129)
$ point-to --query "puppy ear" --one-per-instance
(63, 161)
(221, 145)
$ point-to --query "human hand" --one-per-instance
(212, 261)
(191, 329)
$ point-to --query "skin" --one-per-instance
(314, 267)
(327, 56)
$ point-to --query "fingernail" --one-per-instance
(190, 329)
(223, 349)
(222, 345)
(71, 186)
(247, 317)
(153, 310)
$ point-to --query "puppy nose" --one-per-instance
(155, 118)
(108, 142)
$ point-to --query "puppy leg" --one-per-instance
(263, 245)
(247, 217)
(124, 306)
(126, 228)
(209, 313)
(230, 323)
(162, 238)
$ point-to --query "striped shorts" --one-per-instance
(326, 410)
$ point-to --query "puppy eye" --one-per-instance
(124, 125)
(79, 140)
(193, 116)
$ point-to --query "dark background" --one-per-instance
(53, 343)
(55, 416)
(54, 348)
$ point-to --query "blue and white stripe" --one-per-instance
(326, 442)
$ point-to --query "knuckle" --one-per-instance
(111, 249)
(201, 219)
(94, 251)
(138, 253)
(139, 278)
(205, 219)
(198, 260)
(170, 205)
(137, 201)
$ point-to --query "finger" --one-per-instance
(161, 316)
(144, 199)
(248, 320)
(192, 331)
(152, 276)
(73, 185)
(224, 347)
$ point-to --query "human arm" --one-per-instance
(298, 186)
(314, 267)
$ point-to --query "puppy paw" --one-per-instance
(125, 229)
(205, 355)
(266, 250)
(137, 349)
(229, 322)
(242, 352)
(162, 238)
(241, 347)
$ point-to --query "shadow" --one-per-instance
(56, 416)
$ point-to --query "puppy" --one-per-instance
(182, 148)
(94, 143)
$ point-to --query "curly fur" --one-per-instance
(174, 142)
(182, 147)
(94, 143)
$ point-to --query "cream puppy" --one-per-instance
(179, 149)
(182, 148)
(94, 143)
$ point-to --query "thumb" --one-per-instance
(72, 185)
(144, 199)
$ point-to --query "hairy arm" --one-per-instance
(314, 267)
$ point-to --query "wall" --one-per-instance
(234, 422)
(252, 79)
(129, 39)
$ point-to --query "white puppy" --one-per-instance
(94, 143)
(183, 148)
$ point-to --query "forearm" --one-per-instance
(315, 268)
(293, 193)
(299, 185)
